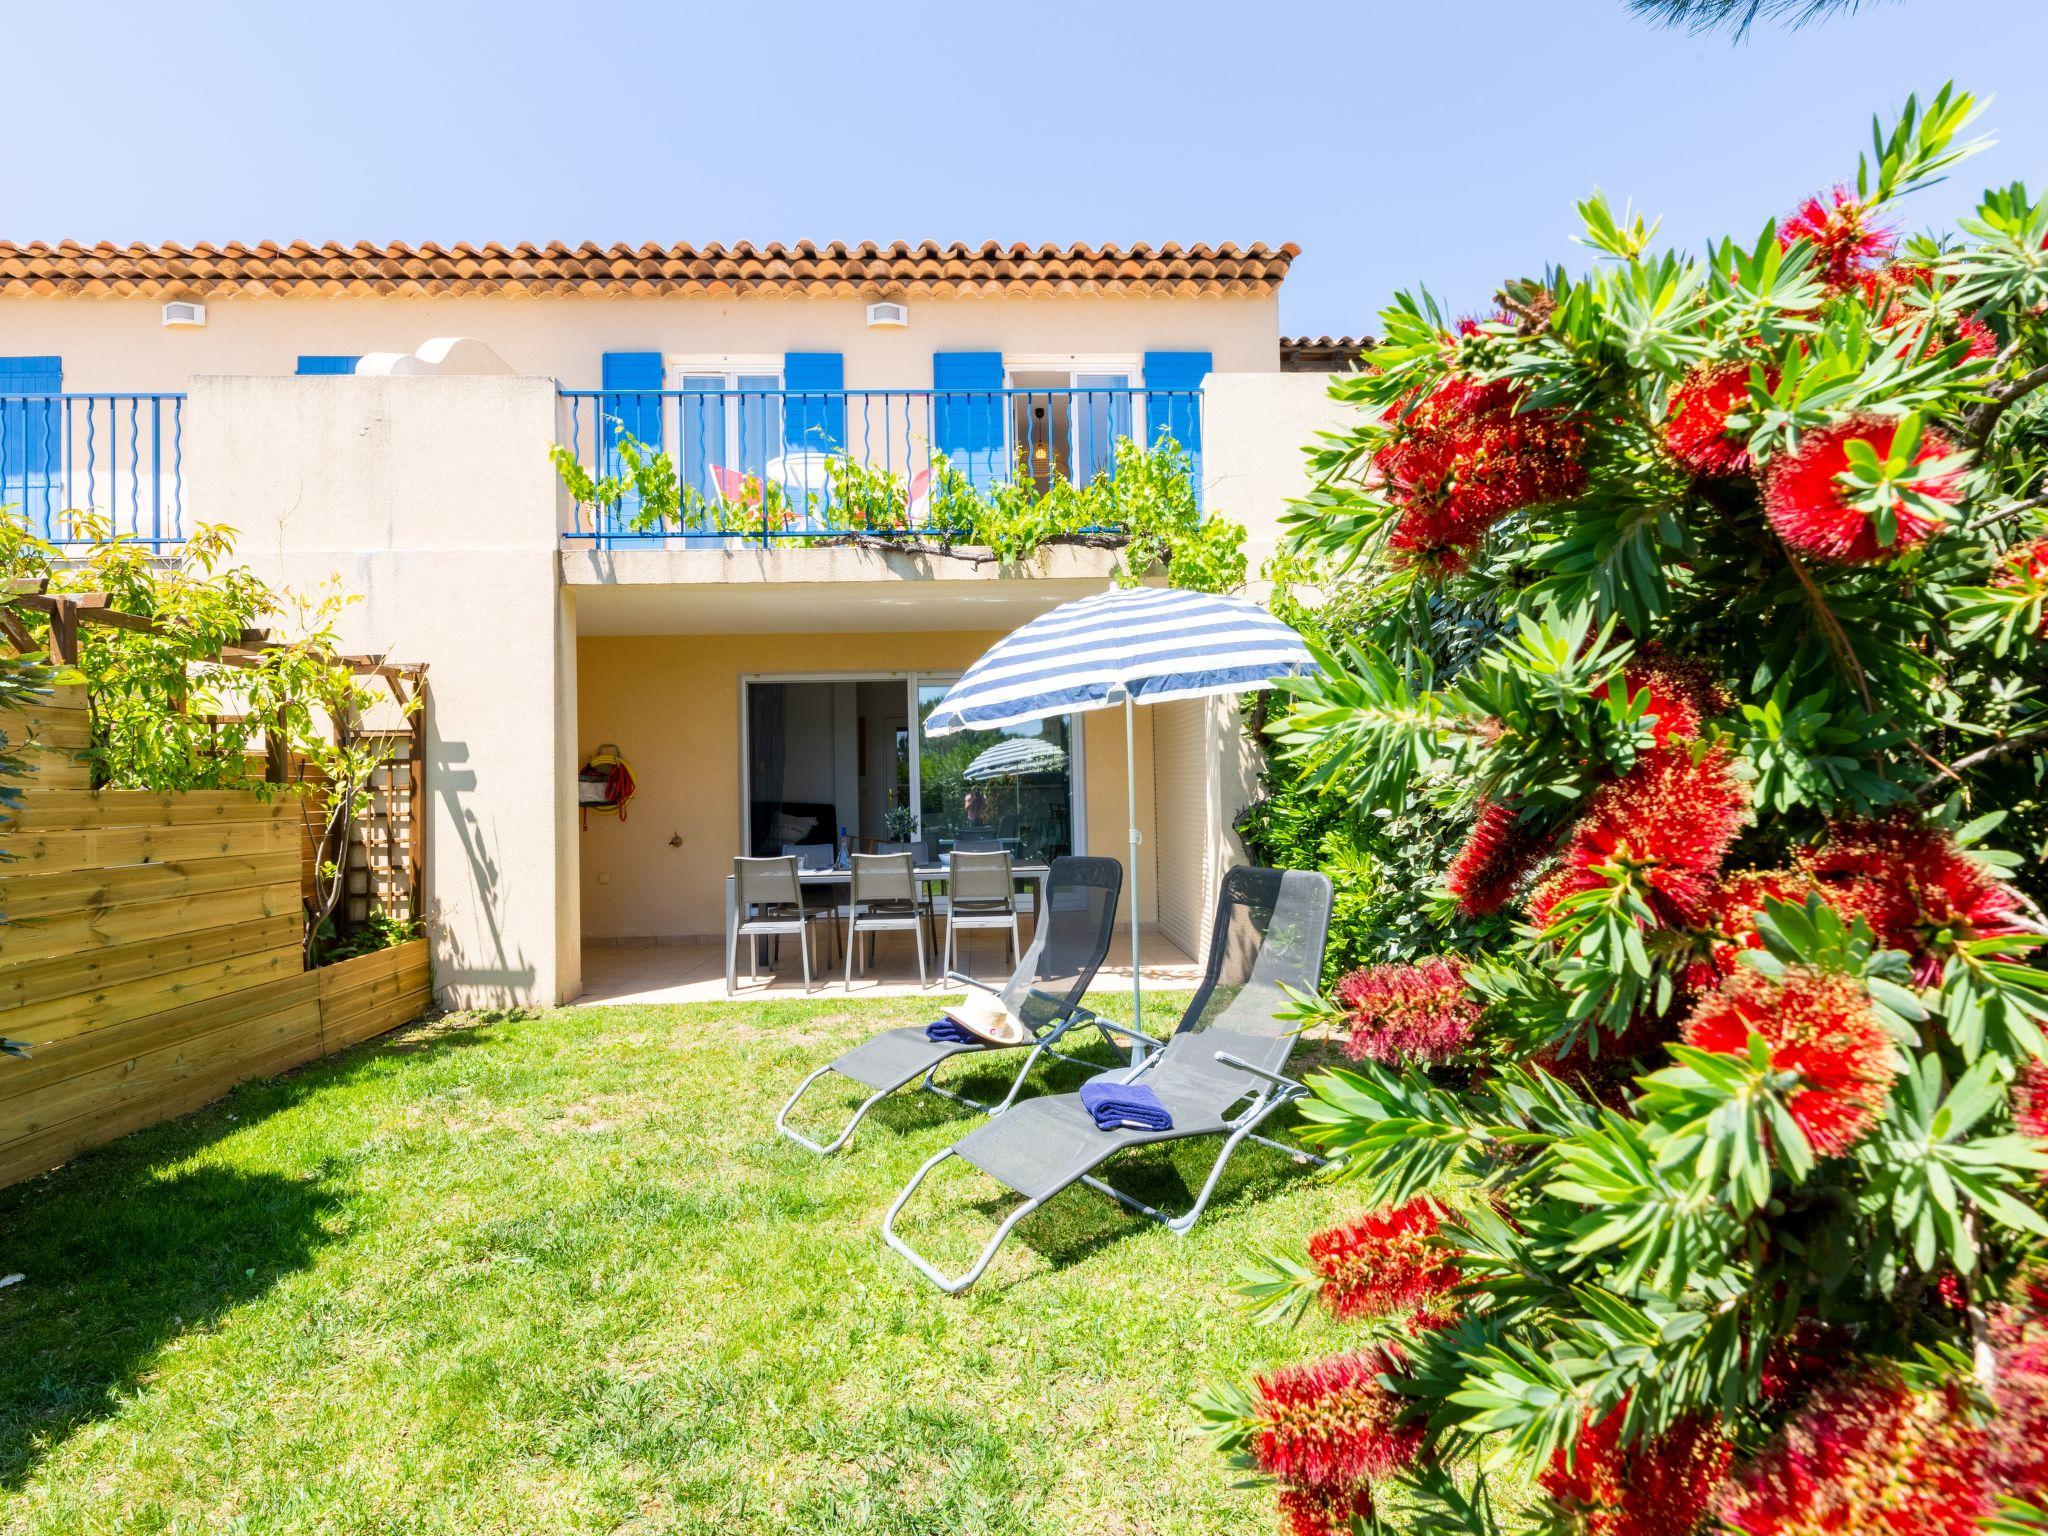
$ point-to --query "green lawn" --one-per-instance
(557, 1273)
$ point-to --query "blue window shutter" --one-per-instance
(818, 423)
(1177, 415)
(326, 363)
(967, 413)
(637, 415)
(31, 437)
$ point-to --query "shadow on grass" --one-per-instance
(961, 1207)
(120, 1258)
(115, 1268)
(1079, 1222)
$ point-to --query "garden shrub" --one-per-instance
(1707, 1189)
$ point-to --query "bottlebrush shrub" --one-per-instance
(1731, 1141)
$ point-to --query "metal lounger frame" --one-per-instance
(1278, 1092)
(1075, 1017)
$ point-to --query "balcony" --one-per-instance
(768, 468)
(82, 466)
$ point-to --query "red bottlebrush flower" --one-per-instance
(1385, 1263)
(1324, 1511)
(1400, 1013)
(2018, 1453)
(2030, 1102)
(1848, 246)
(1810, 1354)
(1870, 1456)
(1817, 1025)
(1918, 891)
(1736, 903)
(1331, 1423)
(1659, 1486)
(1812, 511)
(1983, 341)
(1498, 854)
(1664, 826)
(1682, 694)
(1696, 420)
(1462, 457)
(2024, 568)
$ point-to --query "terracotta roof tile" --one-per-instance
(896, 270)
(1322, 354)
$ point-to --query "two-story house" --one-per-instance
(385, 413)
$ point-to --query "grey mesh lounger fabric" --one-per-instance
(1045, 992)
(1221, 1074)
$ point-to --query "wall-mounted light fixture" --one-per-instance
(184, 315)
(888, 316)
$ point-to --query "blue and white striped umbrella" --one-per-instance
(1017, 755)
(1147, 644)
(1131, 645)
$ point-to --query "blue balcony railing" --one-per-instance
(766, 465)
(118, 456)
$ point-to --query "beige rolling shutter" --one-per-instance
(1180, 779)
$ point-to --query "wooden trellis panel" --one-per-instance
(150, 957)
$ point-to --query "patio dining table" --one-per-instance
(926, 875)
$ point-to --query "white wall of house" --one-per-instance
(432, 499)
(1255, 426)
(122, 344)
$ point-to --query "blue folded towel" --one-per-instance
(1125, 1106)
(949, 1033)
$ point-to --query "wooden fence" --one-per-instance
(150, 952)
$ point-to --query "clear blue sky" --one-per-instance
(1426, 140)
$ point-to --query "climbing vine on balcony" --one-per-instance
(1144, 507)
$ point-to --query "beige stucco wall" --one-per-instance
(121, 344)
(433, 500)
(430, 499)
(1255, 426)
(672, 704)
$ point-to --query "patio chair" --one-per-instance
(770, 899)
(1220, 1074)
(1045, 992)
(982, 893)
(823, 906)
(884, 898)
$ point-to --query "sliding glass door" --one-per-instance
(1012, 788)
(826, 752)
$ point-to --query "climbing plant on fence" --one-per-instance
(1708, 1194)
(198, 672)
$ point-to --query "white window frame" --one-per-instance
(731, 367)
(1130, 364)
(1077, 764)
(731, 364)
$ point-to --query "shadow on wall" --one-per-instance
(121, 1257)
(475, 967)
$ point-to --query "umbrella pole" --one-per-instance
(1131, 805)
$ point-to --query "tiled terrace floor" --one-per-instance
(695, 973)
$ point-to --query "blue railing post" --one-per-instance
(53, 480)
(156, 471)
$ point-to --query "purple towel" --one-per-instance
(1125, 1106)
(947, 1032)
